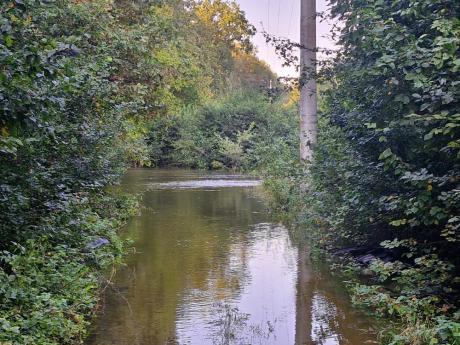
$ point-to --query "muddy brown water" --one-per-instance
(211, 266)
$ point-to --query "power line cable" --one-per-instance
(268, 17)
(278, 20)
(290, 18)
(268, 28)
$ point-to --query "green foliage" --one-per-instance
(249, 73)
(59, 127)
(175, 55)
(232, 132)
(226, 22)
(49, 286)
(386, 167)
(234, 152)
(431, 329)
(80, 84)
(396, 101)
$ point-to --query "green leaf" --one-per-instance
(8, 41)
(385, 154)
(402, 99)
(398, 222)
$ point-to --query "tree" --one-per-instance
(227, 22)
(250, 73)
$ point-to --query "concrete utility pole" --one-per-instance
(308, 105)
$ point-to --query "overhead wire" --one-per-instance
(278, 33)
(268, 17)
(290, 18)
(268, 29)
(278, 20)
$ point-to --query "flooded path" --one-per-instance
(211, 267)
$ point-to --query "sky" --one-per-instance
(281, 18)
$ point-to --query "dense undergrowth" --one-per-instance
(233, 132)
(50, 284)
(58, 134)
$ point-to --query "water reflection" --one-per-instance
(211, 268)
(206, 183)
(324, 315)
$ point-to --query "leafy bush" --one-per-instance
(49, 285)
(229, 132)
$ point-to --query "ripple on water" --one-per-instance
(206, 183)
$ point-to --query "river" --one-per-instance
(209, 265)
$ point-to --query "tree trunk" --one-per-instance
(308, 106)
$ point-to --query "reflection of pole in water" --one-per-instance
(323, 313)
(304, 298)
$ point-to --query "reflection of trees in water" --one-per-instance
(195, 247)
(191, 244)
(231, 327)
(305, 283)
(227, 278)
(325, 321)
(324, 315)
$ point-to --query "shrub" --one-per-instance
(227, 132)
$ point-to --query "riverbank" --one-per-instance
(407, 317)
(51, 285)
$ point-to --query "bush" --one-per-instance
(49, 285)
(228, 133)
